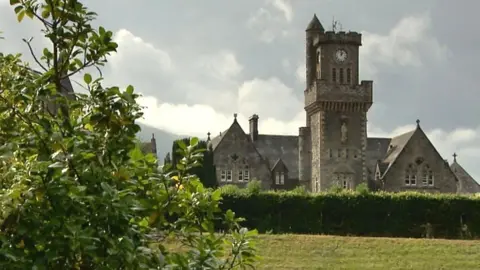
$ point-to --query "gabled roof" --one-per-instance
(395, 148)
(275, 147)
(279, 165)
(468, 184)
(271, 148)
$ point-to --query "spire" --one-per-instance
(454, 157)
(315, 25)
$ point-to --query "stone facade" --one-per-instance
(333, 147)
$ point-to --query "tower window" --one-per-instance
(349, 75)
(334, 74)
(341, 75)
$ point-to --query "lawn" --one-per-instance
(332, 252)
(358, 253)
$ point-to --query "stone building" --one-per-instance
(333, 146)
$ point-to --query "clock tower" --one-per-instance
(336, 106)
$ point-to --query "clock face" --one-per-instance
(341, 55)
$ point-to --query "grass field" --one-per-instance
(362, 253)
(331, 252)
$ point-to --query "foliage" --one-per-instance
(254, 186)
(405, 214)
(76, 190)
(206, 172)
(335, 188)
(299, 190)
(362, 188)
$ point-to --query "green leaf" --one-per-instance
(45, 13)
(181, 144)
(20, 15)
(87, 78)
(193, 141)
(14, 2)
(130, 89)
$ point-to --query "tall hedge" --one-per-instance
(373, 214)
(206, 172)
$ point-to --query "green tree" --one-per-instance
(76, 190)
(206, 172)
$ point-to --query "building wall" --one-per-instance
(420, 152)
(343, 158)
(236, 143)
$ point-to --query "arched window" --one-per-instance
(427, 176)
(411, 175)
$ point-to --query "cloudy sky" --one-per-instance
(199, 62)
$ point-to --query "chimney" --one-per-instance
(253, 127)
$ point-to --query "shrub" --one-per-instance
(76, 191)
(254, 186)
(361, 214)
(362, 188)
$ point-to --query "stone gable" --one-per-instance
(415, 164)
(237, 160)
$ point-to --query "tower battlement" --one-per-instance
(320, 92)
(341, 37)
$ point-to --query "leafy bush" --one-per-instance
(254, 186)
(362, 214)
(76, 192)
(362, 188)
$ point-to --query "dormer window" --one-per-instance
(279, 178)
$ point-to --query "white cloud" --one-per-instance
(408, 43)
(285, 7)
(194, 95)
(271, 20)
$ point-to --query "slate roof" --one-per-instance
(468, 183)
(315, 24)
(376, 150)
(274, 147)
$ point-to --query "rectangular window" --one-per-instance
(407, 180)
(349, 75)
(229, 176)
(334, 74)
(345, 184)
(246, 175)
(410, 180)
(223, 176)
(425, 179)
(279, 178)
(341, 75)
(240, 176)
(430, 179)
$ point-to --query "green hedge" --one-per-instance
(350, 213)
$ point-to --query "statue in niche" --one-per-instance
(344, 131)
